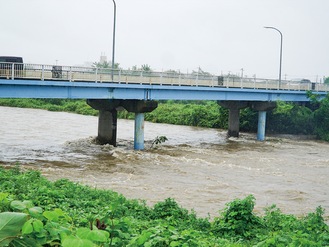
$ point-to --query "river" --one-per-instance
(198, 167)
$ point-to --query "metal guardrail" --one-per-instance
(100, 75)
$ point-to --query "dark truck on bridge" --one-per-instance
(6, 65)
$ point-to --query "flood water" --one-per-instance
(198, 167)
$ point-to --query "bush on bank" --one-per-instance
(37, 212)
(191, 114)
(321, 118)
(286, 118)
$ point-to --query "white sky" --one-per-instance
(220, 36)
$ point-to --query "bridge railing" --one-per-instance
(261, 83)
(106, 75)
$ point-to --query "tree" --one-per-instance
(105, 65)
(321, 117)
(146, 68)
(326, 81)
(134, 67)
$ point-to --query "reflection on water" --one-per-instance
(198, 167)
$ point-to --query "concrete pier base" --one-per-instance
(261, 125)
(139, 131)
(233, 122)
(107, 127)
(234, 116)
(107, 120)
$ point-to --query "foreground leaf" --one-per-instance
(11, 224)
(93, 235)
(70, 241)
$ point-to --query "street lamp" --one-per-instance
(280, 53)
(113, 43)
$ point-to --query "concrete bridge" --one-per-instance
(139, 91)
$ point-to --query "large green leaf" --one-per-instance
(35, 212)
(11, 224)
(93, 235)
(3, 196)
(21, 205)
(70, 241)
(27, 227)
(25, 242)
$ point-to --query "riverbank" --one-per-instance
(65, 213)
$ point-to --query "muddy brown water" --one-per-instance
(198, 167)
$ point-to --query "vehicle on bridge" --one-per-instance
(9, 65)
(305, 81)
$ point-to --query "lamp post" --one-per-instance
(280, 53)
(113, 42)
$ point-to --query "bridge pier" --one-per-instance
(139, 107)
(234, 116)
(107, 127)
(262, 108)
(139, 131)
(261, 125)
(107, 120)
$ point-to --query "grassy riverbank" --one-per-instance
(37, 212)
(75, 106)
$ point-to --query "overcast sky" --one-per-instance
(220, 36)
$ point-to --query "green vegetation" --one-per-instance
(158, 140)
(105, 65)
(286, 118)
(193, 114)
(291, 119)
(321, 119)
(37, 212)
(326, 81)
(76, 106)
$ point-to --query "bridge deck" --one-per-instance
(84, 90)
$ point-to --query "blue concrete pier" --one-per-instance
(261, 125)
(139, 131)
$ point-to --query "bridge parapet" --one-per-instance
(104, 75)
